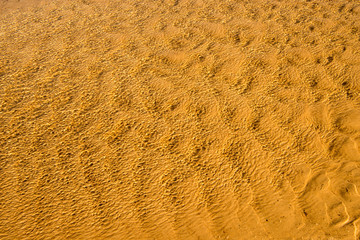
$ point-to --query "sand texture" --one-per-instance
(179, 119)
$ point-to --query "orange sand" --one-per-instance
(179, 119)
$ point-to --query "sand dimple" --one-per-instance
(350, 121)
(179, 119)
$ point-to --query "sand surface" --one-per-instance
(179, 119)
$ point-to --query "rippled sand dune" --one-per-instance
(179, 119)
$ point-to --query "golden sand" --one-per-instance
(179, 119)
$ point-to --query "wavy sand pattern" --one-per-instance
(180, 119)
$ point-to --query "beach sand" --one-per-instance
(179, 119)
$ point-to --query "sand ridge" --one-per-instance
(180, 119)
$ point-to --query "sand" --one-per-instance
(179, 119)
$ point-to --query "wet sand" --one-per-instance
(179, 119)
